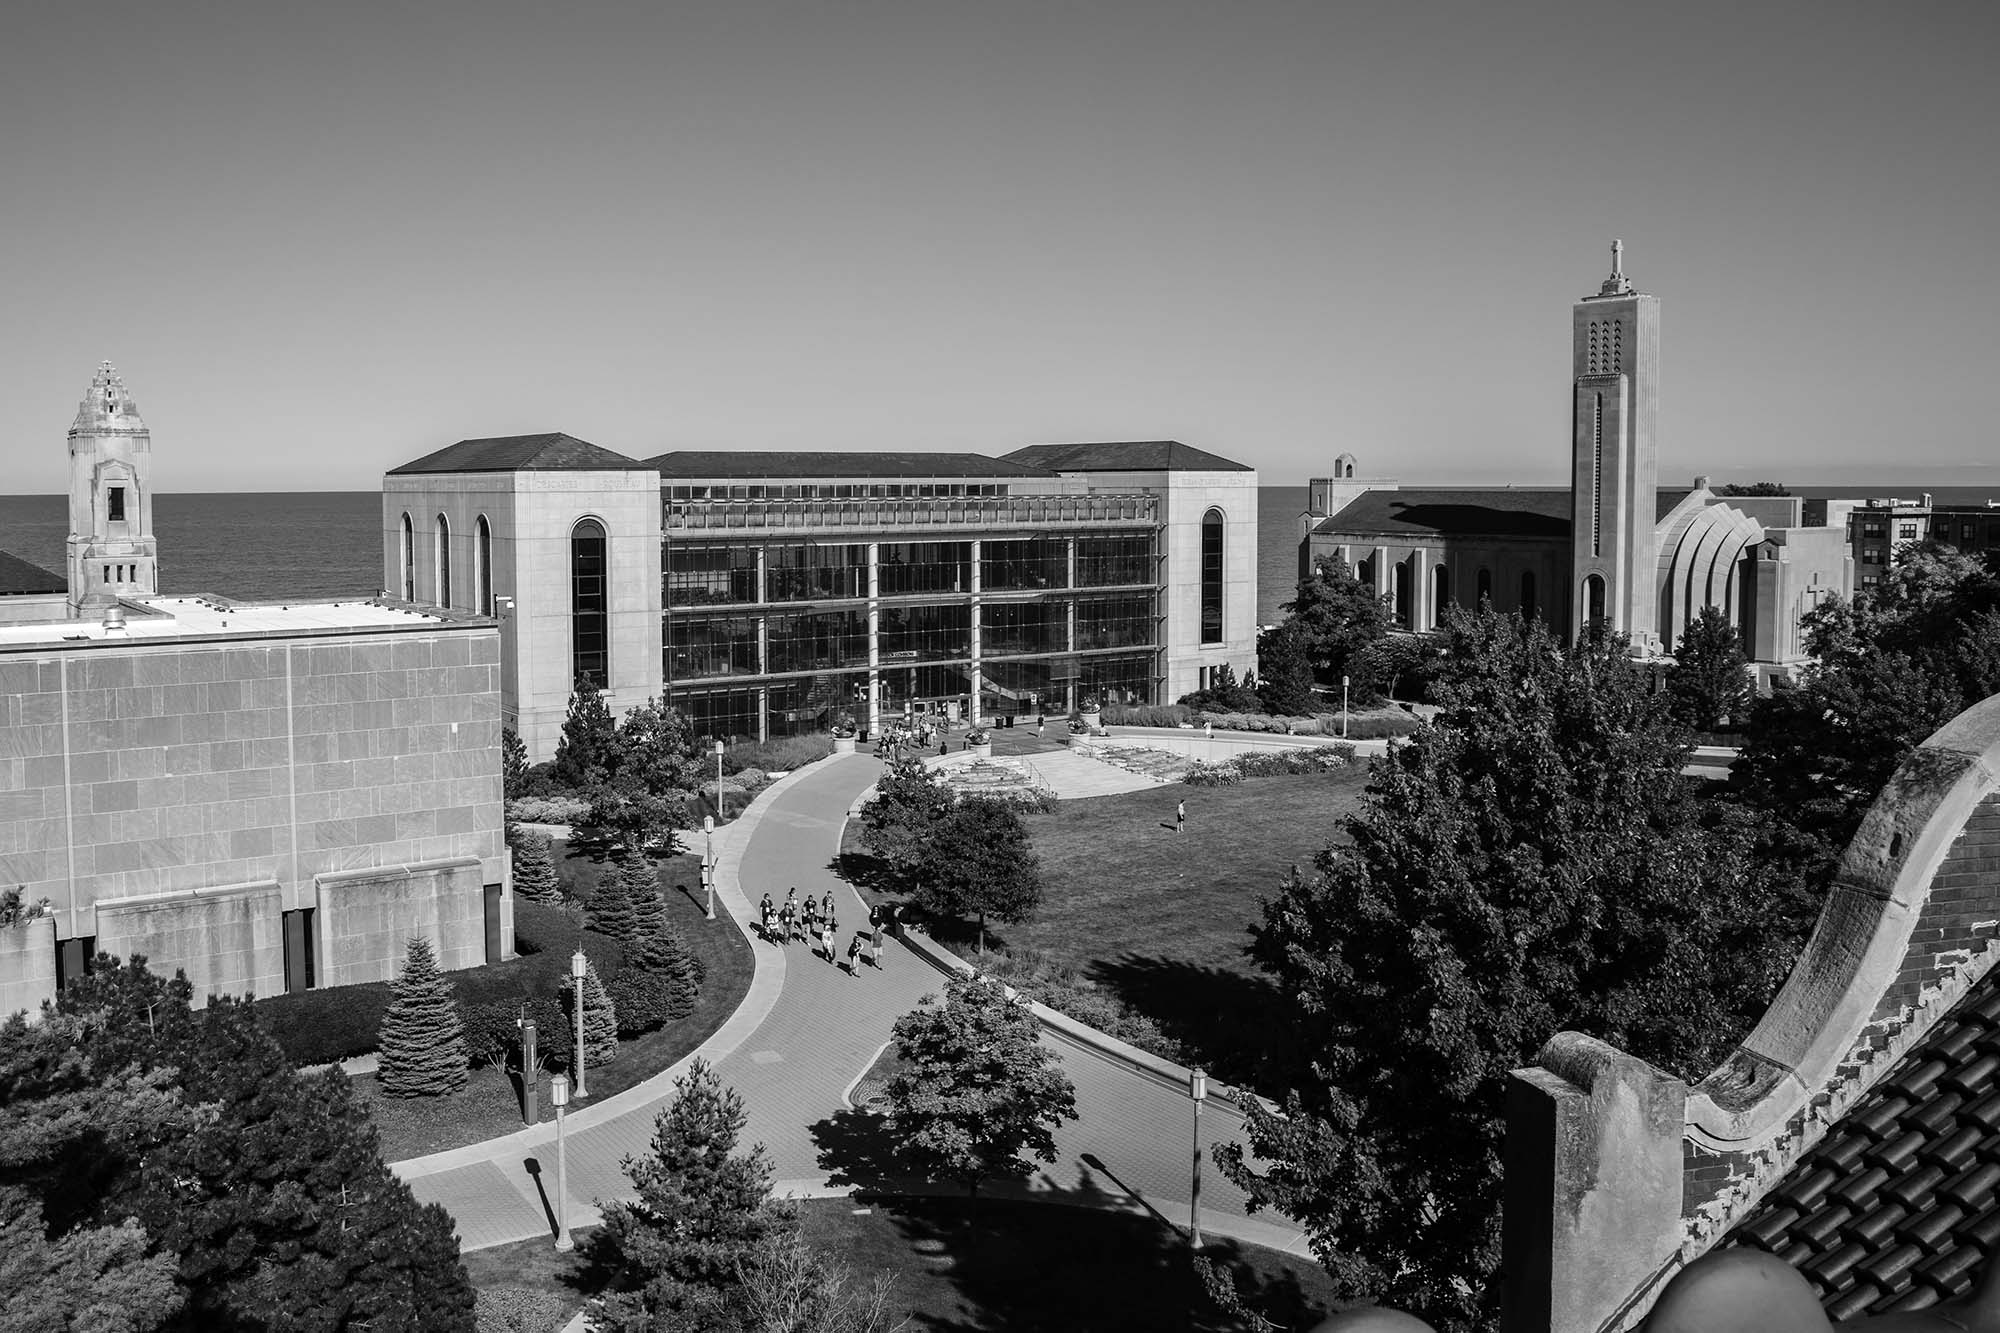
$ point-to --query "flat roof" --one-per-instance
(218, 617)
(786, 464)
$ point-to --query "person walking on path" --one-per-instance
(785, 922)
(1180, 817)
(809, 917)
(764, 911)
(1040, 722)
(853, 952)
(826, 930)
(875, 942)
(944, 746)
(826, 906)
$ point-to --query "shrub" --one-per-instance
(548, 810)
(1062, 988)
(1210, 775)
(1146, 715)
(491, 1033)
(752, 778)
(780, 752)
(422, 1040)
(320, 1027)
(539, 780)
(521, 1310)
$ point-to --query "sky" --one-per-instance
(320, 240)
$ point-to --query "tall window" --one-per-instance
(409, 560)
(114, 504)
(1485, 585)
(1440, 593)
(1528, 594)
(589, 604)
(443, 561)
(482, 566)
(1211, 576)
(1593, 600)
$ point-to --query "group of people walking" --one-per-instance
(815, 923)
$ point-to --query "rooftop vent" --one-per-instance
(114, 623)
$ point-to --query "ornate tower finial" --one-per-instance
(1617, 284)
(112, 553)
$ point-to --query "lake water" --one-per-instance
(266, 546)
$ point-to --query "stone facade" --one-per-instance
(176, 795)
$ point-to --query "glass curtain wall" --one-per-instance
(1103, 562)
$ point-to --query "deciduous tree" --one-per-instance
(679, 1253)
(979, 863)
(978, 1094)
(1337, 617)
(899, 824)
(649, 767)
(422, 1038)
(1284, 660)
(1532, 862)
(1709, 683)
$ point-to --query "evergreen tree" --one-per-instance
(1532, 862)
(660, 981)
(275, 1201)
(977, 1089)
(642, 889)
(513, 764)
(1709, 683)
(422, 1038)
(588, 737)
(612, 911)
(535, 868)
(980, 862)
(679, 1253)
(600, 1016)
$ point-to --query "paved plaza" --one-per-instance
(804, 1035)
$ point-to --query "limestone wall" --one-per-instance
(27, 966)
(366, 919)
(135, 769)
(228, 940)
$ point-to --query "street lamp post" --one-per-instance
(578, 966)
(1198, 1088)
(718, 779)
(708, 862)
(1343, 708)
(559, 1096)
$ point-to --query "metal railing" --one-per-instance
(1003, 511)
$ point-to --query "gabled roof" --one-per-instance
(1469, 512)
(20, 578)
(1896, 1208)
(521, 453)
(1126, 456)
(802, 463)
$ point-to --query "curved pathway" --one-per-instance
(804, 1034)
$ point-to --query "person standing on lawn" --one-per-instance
(1180, 817)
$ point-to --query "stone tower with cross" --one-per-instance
(112, 553)
(1614, 456)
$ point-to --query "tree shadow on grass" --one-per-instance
(1237, 1025)
(1011, 1266)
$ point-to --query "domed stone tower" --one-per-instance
(111, 549)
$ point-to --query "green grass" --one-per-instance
(1160, 920)
(489, 1105)
(1010, 1265)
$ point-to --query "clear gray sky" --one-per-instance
(319, 240)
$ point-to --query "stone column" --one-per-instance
(1593, 1184)
(1384, 581)
(1422, 614)
(874, 638)
(972, 713)
(761, 570)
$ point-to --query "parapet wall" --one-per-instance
(1909, 925)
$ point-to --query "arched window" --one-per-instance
(1485, 585)
(409, 560)
(1441, 593)
(1593, 600)
(443, 561)
(482, 566)
(1211, 576)
(589, 604)
(1528, 595)
(1403, 585)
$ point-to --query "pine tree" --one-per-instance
(513, 763)
(642, 889)
(600, 1016)
(422, 1039)
(612, 911)
(588, 738)
(535, 868)
(704, 1213)
(659, 982)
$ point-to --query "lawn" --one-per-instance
(1159, 919)
(489, 1105)
(1027, 1266)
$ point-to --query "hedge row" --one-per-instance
(1367, 726)
(319, 1027)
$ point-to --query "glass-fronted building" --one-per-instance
(793, 591)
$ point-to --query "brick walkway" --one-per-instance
(804, 1034)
